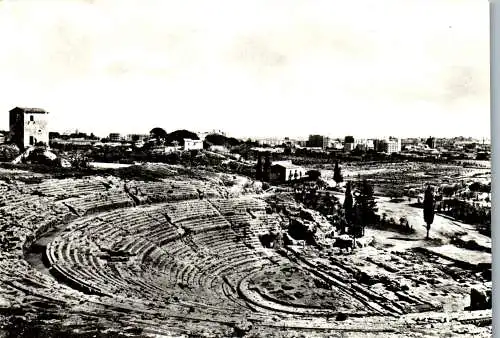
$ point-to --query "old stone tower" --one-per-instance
(28, 126)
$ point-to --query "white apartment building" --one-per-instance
(193, 144)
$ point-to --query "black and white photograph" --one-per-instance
(230, 168)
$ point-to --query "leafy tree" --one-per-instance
(428, 208)
(54, 134)
(349, 139)
(232, 142)
(478, 187)
(8, 152)
(216, 139)
(337, 175)
(450, 190)
(313, 174)
(179, 136)
(365, 206)
(158, 134)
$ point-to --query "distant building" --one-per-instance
(315, 141)
(271, 141)
(202, 135)
(349, 143)
(370, 145)
(363, 144)
(193, 144)
(349, 146)
(389, 145)
(267, 150)
(136, 137)
(301, 143)
(284, 171)
(292, 143)
(337, 145)
(115, 137)
(318, 141)
(169, 149)
(219, 149)
(82, 142)
(394, 145)
(28, 126)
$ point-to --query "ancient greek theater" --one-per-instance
(197, 253)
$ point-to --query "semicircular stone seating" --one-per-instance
(194, 248)
(185, 252)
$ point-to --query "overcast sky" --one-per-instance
(257, 67)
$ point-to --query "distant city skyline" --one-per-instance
(300, 137)
(303, 137)
(403, 68)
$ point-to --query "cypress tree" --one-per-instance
(337, 175)
(428, 208)
(267, 167)
(348, 202)
(348, 211)
(366, 206)
(258, 174)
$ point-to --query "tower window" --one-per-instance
(32, 118)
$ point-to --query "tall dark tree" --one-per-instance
(430, 142)
(267, 168)
(348, 203)
(258, 173)
(337, 174)
(348, 208)
(428, 208)
(365, 206)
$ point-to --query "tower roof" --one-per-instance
(30, 110)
